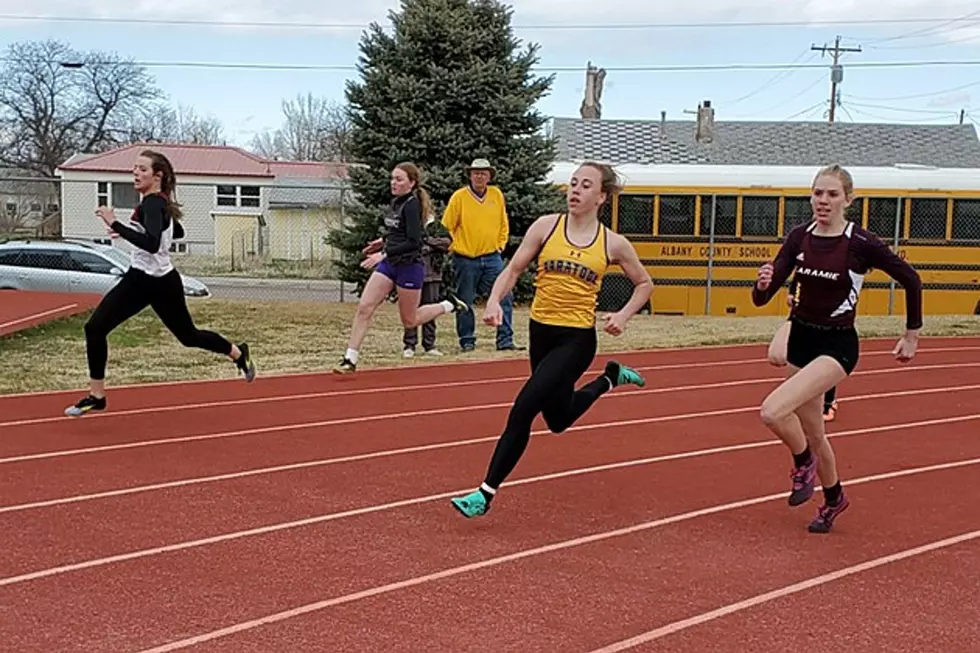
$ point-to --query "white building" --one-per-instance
(232, 200)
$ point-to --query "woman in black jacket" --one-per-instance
(397, 263)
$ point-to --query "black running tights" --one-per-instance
(559, 357)
(134, 292)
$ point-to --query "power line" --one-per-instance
(555, 69)
(918, 95)
(591, 27)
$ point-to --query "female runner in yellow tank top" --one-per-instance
(573, 252)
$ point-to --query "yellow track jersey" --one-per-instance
(569, 279)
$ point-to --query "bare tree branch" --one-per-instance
(314, 129)
(50, 111)
(164, 124)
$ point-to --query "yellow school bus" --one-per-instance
(702, 231)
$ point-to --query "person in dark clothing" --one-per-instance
(151, 280)
(397, 262)
(831, 257)
(434, 247)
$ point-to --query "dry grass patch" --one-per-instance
(303, 337)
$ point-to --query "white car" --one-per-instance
(69, 266)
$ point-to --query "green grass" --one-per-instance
(311, 337)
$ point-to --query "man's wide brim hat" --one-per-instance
(479, 164)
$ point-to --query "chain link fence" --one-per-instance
(703, 252)
(268, 242)
(263, 242)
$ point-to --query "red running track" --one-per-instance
(20, 309)
(310, 513)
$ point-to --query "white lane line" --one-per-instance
(60, 453)
(309, 521)
(519, 555)
(781, 592)
(60, 309)
(412, 387)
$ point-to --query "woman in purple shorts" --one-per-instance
(397, 263)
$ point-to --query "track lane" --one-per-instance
(273, 573)
(586, 597)
(252, 501)
(925, 603)
(50, 406)
(111, 428)
(99, 437)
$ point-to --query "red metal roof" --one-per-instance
(205, 160)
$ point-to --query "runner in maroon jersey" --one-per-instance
(831, 256)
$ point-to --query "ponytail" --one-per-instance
(168, 184)
(426, 202)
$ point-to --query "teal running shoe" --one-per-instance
(472, 505)
(620, 374)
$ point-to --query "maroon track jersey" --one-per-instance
(829, 273)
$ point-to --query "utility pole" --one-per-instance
(836, 72)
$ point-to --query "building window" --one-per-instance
(243, 196)
(123, 195)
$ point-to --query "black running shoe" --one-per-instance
(345, 367)
(459, 306)
(245, 362)
(86, 405)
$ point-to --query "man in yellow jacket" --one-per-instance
(476, 218)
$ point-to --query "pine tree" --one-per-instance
(451, 84)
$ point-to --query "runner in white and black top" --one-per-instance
(151, 280)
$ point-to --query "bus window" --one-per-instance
(760, 216)
(636, 214)
(966, 220)
(726, 208)
(881, 217)
(676, 215)
(797, 211)
(927, 218)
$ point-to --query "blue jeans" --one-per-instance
(475, 276)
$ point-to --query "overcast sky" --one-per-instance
(249, 100)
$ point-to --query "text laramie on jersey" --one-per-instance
(820, 274)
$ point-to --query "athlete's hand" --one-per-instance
(107, 214)
(904, 350)
(372, 247)
(493, 315)
(614, 323)
(372, 261)
(764, 277)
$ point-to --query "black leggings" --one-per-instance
(559, 357)
(134, 292)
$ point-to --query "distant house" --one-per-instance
(29, 205)
(233, 201)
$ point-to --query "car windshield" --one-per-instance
(118, 257)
